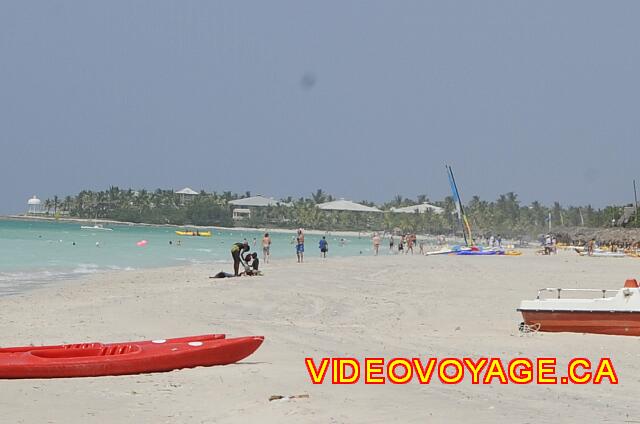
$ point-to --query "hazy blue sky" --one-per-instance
(366, 99)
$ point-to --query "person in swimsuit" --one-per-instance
(237, 249)
(300, 246)
(409, 244)
(266, 247)
(391, 244)
(376, 243)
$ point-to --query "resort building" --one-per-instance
(186, 195)
(421, 208)
(241, 213)
(245, 204)
(346, 205)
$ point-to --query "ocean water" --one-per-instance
(33, 253)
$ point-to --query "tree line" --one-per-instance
(506, 215)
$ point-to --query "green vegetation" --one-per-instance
(506, 215)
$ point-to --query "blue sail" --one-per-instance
(466, 229)
(454, 192)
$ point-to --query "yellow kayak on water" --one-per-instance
(194, 233)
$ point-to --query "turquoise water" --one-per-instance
(33, 253)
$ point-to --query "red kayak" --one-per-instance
(187, 339)
(96, 359)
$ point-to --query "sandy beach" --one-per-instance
(360, 307)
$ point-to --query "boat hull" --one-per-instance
(623, 323)
(129, 358)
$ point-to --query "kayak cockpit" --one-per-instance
(63, 353)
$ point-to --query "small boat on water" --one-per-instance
(194, 233)
(98, 227)
(98, 359)
(598, 311)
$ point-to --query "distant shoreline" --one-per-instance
(142, 224)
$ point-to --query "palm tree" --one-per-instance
(319, 196)
(47, 205)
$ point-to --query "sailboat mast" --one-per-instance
(635, 194)
(466, 229)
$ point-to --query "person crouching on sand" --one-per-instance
(237, 249)
(252, 265)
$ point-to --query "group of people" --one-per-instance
(250, 261)
(493, 241)
(406, 243)
(239, 251)
(550, 244)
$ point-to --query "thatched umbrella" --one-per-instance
(617, 235)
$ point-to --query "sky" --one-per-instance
(364, 99)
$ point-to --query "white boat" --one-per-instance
(597, 253)
(98, 227)
(602, 312)
(444, 251)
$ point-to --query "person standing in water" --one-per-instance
(376, 243)
(237, 251)
(266, 247)
(300, 246)
(324, 247)
(391, 244)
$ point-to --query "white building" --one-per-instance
(241, 213)
(421, 208)
(258, 201)
(243, 210)
(34, 206)
(186, 195)
(346, 205)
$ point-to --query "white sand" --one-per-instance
(385, 306)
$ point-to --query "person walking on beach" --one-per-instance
(409, 244)
(401, 244)
(591, 246)
(237, 251)
(376, 243)
(324, 247)
(300, 246)
(391, 244)
(266, 248)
